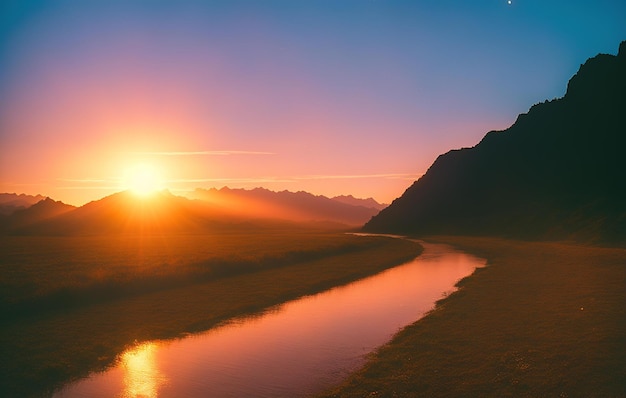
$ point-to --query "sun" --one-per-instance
(142, 179)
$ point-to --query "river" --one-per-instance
(296, 349)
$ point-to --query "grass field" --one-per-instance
(541, 320)
(43, 273)
(194, 283)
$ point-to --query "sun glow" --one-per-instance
(143, 180)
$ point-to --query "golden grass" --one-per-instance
(42, 351)
(39, 272)
(542, 320)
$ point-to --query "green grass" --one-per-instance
(541, 320)
(44, 349)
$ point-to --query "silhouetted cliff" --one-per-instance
(557, 173)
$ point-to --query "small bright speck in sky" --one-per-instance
(509, 2)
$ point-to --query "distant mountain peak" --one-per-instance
(12, 202)
(41, 211)
(368, 202)
(622, 50)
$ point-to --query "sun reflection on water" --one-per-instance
(142, 378)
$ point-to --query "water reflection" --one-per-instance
(141, 374)
(301, 348)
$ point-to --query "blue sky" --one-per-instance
(332, 97)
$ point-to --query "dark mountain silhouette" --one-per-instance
(351, 200)
(557, 173)
(285, 205)
(45, 209)
(11, 202)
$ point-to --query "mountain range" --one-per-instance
(295, 206)
(351, 200)
(204, 210)
(557, 173)
(12, 202)
(41, 211)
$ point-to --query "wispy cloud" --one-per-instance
(92, 187)
(294, 179)
(205, 153)
(391, 176)
(232, 180)
(86, 180)
(110, 183)
(89, 183)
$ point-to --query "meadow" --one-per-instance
(44, 273)
(72, 304)
(541, 320)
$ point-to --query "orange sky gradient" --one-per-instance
(356, 100)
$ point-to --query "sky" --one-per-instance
(327, 96)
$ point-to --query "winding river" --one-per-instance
(296, 349)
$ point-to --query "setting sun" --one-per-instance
(142, 179)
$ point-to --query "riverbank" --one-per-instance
(295, 350)
(542, 319)
(45, 351)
